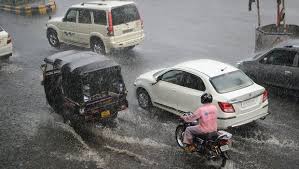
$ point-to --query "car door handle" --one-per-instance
(287, 72)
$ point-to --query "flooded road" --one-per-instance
(33, 136)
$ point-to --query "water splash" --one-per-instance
(274, 141)
(86, 154)
(108, 134)
(131, 154)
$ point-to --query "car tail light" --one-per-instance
(8, 39)
(265, 95)
(110, 28)
(226, 107)
(141, 23)
(141, 20)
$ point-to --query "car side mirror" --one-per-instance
(43, 67)
(157, 80)
(63, 19)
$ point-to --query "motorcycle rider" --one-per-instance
(207, 115)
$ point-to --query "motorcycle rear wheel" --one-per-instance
(179, 136)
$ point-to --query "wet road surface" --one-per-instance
(32, 136)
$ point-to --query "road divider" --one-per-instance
(30, 10)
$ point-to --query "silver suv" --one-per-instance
(99, 25)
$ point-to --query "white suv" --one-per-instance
(5, 44)
(178, 90)
(99, 25)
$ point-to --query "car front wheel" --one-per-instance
(52, 38)
(144, 99)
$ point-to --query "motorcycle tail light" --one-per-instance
(224, 142)
(226, 107)
(265, 95)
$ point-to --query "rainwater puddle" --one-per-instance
(10, 68)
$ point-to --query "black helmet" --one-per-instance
(206, 98)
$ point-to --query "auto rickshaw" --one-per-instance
(84, 86)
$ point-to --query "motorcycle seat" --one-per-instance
(208, 136)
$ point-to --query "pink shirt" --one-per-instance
(208, 118)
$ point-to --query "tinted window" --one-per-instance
(279, 57)
(230, 82)
(84, 16)
(173, 76)
(124, 14)
(100, 17)
(193, 82)
(71, 16)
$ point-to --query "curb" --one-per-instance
(30, 10)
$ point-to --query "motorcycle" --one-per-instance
(213, 146)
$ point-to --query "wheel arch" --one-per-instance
(55, 28)
(140, 88)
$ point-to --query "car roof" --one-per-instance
(101, 4)
(208, 67)
(81, 62)
(293, 43)
(94, 63)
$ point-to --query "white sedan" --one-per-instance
(178, 90)
(5, 44)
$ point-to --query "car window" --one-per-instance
(193, 82)
(1, 29)
(173, 76)
(124, 14)
(100, 17)
(231, 81)
(280, 57)
(84, 16)
(71, 15)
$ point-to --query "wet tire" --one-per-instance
(144, 99)
(97, 46)
(53, 38)
(225, 157)
(179, 136)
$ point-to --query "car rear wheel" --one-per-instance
(144, 99)
(98, 46)
(52, 38)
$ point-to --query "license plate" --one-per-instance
(224, 148)
(105, 114)
(248, 103)
(128, 30)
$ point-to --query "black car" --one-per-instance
(84, 86)
(278, 66)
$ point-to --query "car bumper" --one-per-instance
(6, 50)
(243, 118)
(127, 43)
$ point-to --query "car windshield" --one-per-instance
(230, 81)
(124, 14)
(98, 84)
